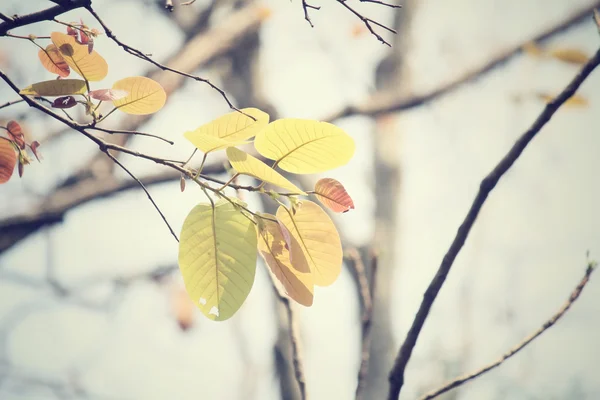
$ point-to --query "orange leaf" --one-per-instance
(53, 61)
(16, 133)
(8, 160)
(333, 195)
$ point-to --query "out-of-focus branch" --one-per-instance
(396, 377)
(366, 294)
(383, 102)
(547, 325)
(43, 15)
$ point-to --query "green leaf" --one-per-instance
(318, 238)
(246, 164)
(305, 146)
(217, 258)
(55, 87)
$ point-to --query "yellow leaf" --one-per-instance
(246, 164)
(314, 231)
(296, 278)
(305, 146)
(90, 66)
(217, 258)
(56, 87)
(207, 143)
(574, 101)
(569, 55)
(228, 130)
(53, 61)
(145, 96)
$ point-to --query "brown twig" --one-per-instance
(369, 22)
(547, 325)
(383, 103)
(306, 6)
(396, 377)
(43, 15)
(366, 293)
(10, 103)
(125, 132)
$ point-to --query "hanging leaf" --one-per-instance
(305, 146)
(53, 61)
(234, 126)
(295, 278)
(246, 164)
(145, 96)
(34, 146)
(90, 65)
(8, 160)
(333, 195)
(314, 231)
(107, 94)
(217, 258)
(56, 87)
(64, 102)
(569, 55)
(15, 133)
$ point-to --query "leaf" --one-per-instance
(107, 94)
(207, 143)
(333, 195)
(574, 101)
(217, 258)
(569, 55)
(183, 308)
(316, 235)
(305, 146)
(34, 149)
(8, 160)
(296, 278)
(145, 96)
(246, 164)
(55, 87)
(15, 133)
(234, 126)
(90, 65)
(64, 102)
(53, 61)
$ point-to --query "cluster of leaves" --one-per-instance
(220, 240)
(13, 151)
(74, 51)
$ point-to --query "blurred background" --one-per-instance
(91, 300)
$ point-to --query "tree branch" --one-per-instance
(43, 15)
(384, 103)
(396, 377)
(547, 325)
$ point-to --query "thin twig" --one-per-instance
(384, 103)
(10, 103)
(396, 377)
(125, 132)
(145, 57)
(547, 325)
(135, 178)
(369, 21)
(306, 6)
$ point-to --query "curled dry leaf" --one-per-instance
(16, 133)
(8, 160)
(64, 102)
(53, 61)
(182, 183)
(108, 94)
(333, 195)
(34, 146)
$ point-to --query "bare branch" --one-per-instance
(125, 132)
(396, 377)
(369, 21)
(10, 103)
(384, 103)
(547, 325)
(43, 15)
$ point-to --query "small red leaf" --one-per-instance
(8, 160)
(108, 94)
(21, 169)
(16, 133)
(64, 102)
(72, 31)
(34, 146)
(332, 194)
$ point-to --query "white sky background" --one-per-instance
(525, 254)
